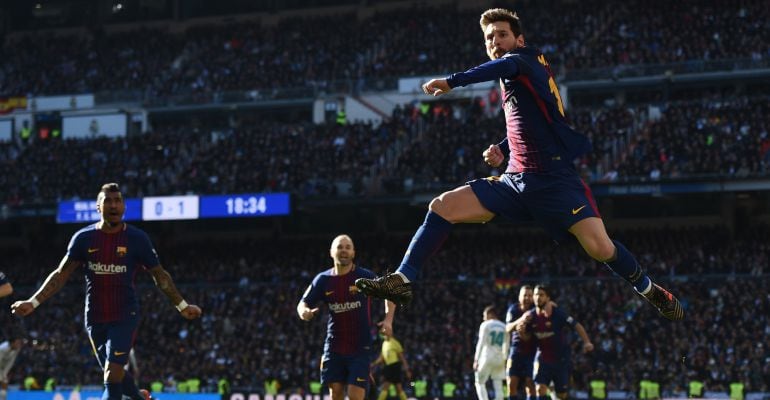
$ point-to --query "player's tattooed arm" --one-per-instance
(166, 285)
(57, 279)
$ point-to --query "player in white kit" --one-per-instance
(489, 361)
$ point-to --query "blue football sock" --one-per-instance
(626, 266)
(112, 391)
(426, 241)
(129, 387)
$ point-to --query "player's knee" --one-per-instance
(114, 373)
(605, 251)
(600, 249)
(438, 205)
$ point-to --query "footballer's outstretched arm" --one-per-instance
(166, 285)
(53, 283)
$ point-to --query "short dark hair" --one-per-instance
(111, 187)
(501, 14)
(490, 310)
(544, 288)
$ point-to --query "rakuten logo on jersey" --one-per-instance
(543, 335)
(106, 269)
(344, 307)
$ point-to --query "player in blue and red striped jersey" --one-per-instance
(348, 349)
(540, 182)
(112, 253)
(553, 363)
(522, 350)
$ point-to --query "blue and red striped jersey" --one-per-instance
(350, 328)
(552, 341)
(540, 138)
(518, 345)
(111, 261)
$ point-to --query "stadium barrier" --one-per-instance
(97, 395)
(257, 396)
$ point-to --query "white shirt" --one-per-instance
(489, 346)
(7, 357)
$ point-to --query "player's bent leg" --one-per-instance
(592, 235)
(497, 384)
(337, 390)
(113, 382)
(513, 386)
(529, 388)
(400, 391)
(384, 391)
(455, 206)
(356, 392)
(460, 205)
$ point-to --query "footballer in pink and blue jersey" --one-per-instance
(112, 252)
(552, 361)
(522, 350)
(540, 182)
(349, 345)
(348, 348)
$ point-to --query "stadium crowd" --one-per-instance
(423, 147)
(249, 298)
(208, 59)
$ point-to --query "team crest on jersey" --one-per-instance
(353, 289)
(122, 250)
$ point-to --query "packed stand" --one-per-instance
(207, 60)
(260, 156)
(424, 147)
(249, 301)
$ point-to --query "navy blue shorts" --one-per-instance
(556, 372)
(520, 365)
(556, 199)
(112, 341)
(351, 370)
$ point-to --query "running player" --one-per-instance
(112, 252)
(348, 349)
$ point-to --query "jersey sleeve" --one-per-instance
(509, 316)
(503, 67)
(147, 255)
(314, 292)
(563, 317)
(3, 278)
(76, 250)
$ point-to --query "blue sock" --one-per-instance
(112, 391)
(626, 266)
(529, 397)
(129, 387)
(545, 397)
(428, 238)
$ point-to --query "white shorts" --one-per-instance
(490, 368)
